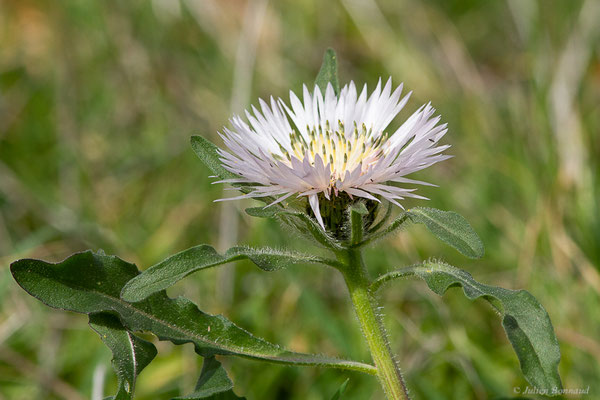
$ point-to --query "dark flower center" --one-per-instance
(335, 213)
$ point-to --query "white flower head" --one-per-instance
(327, 145)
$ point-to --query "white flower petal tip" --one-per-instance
(332, 145)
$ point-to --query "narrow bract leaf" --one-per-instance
(359, 208)
(356, 212)
(309, 224)
(92, 283)
(375, 234)
(269, 212)
(214, 383)
(382, 220)
(524, 319)
(341, 390)
(166, 273)
(328, 73)
(130, 353)
(207, 152)
(451, 228)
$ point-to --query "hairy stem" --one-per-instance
(358, 283)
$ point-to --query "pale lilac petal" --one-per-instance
(313, 200)
(332, 144)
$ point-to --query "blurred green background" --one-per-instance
(97, 104)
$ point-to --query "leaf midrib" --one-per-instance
(482, 294)
(453, 232)
(133, 359)
(351, 365)
(225, 260)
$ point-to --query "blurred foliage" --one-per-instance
(97, 104)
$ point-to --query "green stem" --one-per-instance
(358, 283)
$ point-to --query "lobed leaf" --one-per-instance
(525, 321)
(451, 228)
(214, 383)
(166, 273)
(130, 353)
(328, 73)
(91, 283)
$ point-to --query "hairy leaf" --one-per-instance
(92, 283)
(130, 353)
(213, 384)
(166, 273)
(207, 152)
(328, 73)
(524, 319)
(451, 228)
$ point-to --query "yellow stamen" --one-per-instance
(340, 151)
